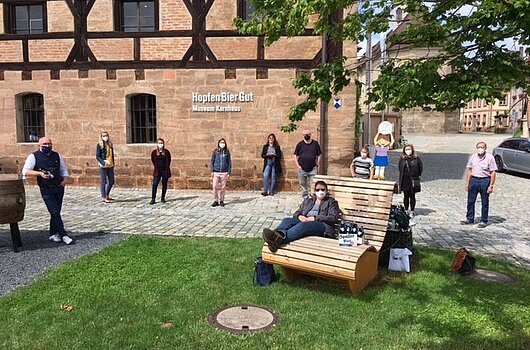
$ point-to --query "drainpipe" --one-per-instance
(322, 169)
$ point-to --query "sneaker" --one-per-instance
(271, 237)
(55, 238)
(67, 240)
(411, 214)
(163, 200)
(412, 223)
(271, 193)
(214, 204)
(465, 222)
(152, 201)
(222, 204)
(264, 194)
(482, 224)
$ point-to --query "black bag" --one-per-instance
(416, 185)
(463, 262)
(264, 273)
(399, 217)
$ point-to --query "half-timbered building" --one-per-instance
(144, 69)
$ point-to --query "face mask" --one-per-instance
(222, 145)
(105, 138)
(408, 152)
(364, 154)
(307, 137)
(46, 149)
(481, 151)
(160, 145)
(320, 194)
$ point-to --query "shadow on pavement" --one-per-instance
(241, 200)
(436, 166)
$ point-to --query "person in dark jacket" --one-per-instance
(161, 159)
(410, 167)
(221, 168)
(272, 167)
(50, 170)
(316, 216)
(105, 158)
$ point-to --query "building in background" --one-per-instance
(141, 70)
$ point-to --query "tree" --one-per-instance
(470, 37)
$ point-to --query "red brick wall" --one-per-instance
(50, 50)
(112, 49)
(11, 51)
(164, 48)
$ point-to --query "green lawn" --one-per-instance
(122, 296)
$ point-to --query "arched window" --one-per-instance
(141, 116)
(399, 15)
(30, 117)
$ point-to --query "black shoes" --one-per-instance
(272, 238)
(152, 201)
(222, 204)
(214, 204)
(264, 194)
(163, 200)
(465, 222)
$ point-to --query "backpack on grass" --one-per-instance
(463, 262)
(264, 273)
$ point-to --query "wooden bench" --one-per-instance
(367, 202)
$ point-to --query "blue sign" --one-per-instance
(337, 103)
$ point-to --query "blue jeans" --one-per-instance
(53, 198)
(105, 187)
(294, 229)
(270, 171)
(156, 181)
(303, 176)
(476, 186)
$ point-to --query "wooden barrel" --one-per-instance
(12, 199)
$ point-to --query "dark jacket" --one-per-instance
(416, 168)
(101, 154)
(156, 171)
(277, 157)
(221, 162)
(328, 213)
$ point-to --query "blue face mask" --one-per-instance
(46, 149)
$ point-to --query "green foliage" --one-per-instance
(466, 40)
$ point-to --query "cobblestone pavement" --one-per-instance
(440, 207)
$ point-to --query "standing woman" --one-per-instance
(410, 167)
(105, 157)
(161, 159)
(272, 167)
(221, 167)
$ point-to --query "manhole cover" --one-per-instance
(492, 276)
(243, 318)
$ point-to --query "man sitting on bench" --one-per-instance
(317, 216)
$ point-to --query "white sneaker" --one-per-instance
(411, 214)
(55, 238)
(412, 223)
(67, 240)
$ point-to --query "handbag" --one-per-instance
(399, 217)
(264, 273)
(416, 185)
(399, 260)
(416, 182)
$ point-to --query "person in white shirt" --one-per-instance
(50, 170)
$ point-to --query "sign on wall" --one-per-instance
(221, 102)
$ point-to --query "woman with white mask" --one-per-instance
(221, 168)
(410, 169)
(316, 216)
(161, 159)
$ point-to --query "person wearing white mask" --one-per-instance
(221, 168)
(161, 159)
(480, 178)
(105, 158)
(362, 167)
(316, 216)
(410, 168)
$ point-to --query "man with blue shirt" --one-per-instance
(50, 170)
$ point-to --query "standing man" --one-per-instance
(480, 178)
(307, 156)
(50, 170)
